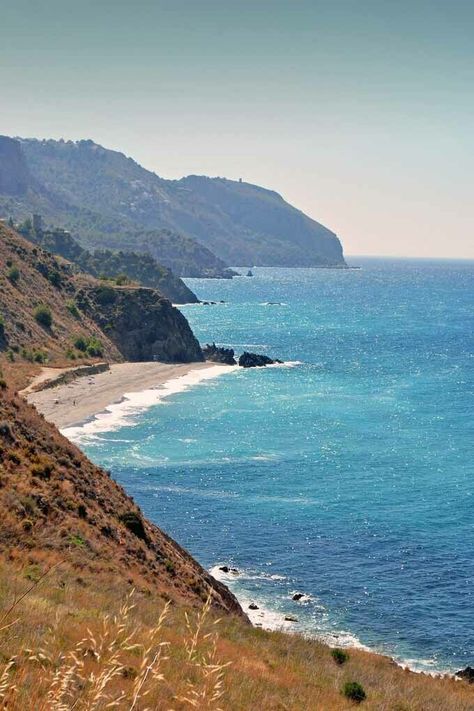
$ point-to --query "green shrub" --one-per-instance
(339, 656)
(40, 356)
(2, 325)
(55, 279)
(72, 308)
(354, 691)
(94, 347)
(81, 344)
(14, 274)
(43, 315)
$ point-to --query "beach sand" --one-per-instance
(72, 403)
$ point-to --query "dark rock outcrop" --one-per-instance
(142, 324)
(467, 674)
(255, 360)
(215, 354)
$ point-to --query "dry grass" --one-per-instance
(78, 645)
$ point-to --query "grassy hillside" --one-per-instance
(84, 620)
(39, 317)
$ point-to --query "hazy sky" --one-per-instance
(360, 112)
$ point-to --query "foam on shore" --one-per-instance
(123, 413)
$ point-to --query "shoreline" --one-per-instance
(105, 401)
(85, 399)
(272, 619)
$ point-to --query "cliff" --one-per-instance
(140, 322)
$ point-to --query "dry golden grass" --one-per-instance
(86, 645)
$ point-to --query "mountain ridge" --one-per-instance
(113, 200)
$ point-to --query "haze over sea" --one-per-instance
(348, 476)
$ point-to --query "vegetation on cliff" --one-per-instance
(137, 267)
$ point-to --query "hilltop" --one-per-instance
(49, 313)
(195, 226)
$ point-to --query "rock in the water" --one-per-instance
(224, 568)
(467, 674)
(253, 606)
(290, 618)
(297, 596)
(249, 273)
(216, 354)
(255, 360)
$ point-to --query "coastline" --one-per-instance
(103, 401)
(72, 404)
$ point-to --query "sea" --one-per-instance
(345, 474)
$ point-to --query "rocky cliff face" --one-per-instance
(14, 174)
(141, 323)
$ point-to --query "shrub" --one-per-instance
(14, 275)
(339, 656)
(42, 470)
(134, 523)
(2, 325)
(72, 308)
(43, 315)
(354, 691)
(81, 343)
(94, 347)
(55, 279)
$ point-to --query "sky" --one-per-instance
(359, 112)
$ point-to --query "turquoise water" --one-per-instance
(348, 476)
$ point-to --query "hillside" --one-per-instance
(113, 202)
(84, 579)
(22, 194)
(139, 267)
(47, 315)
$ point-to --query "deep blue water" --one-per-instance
(349, 476)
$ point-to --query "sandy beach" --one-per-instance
(70, 404)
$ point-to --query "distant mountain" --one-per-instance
(22, 193)
(114, 202)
